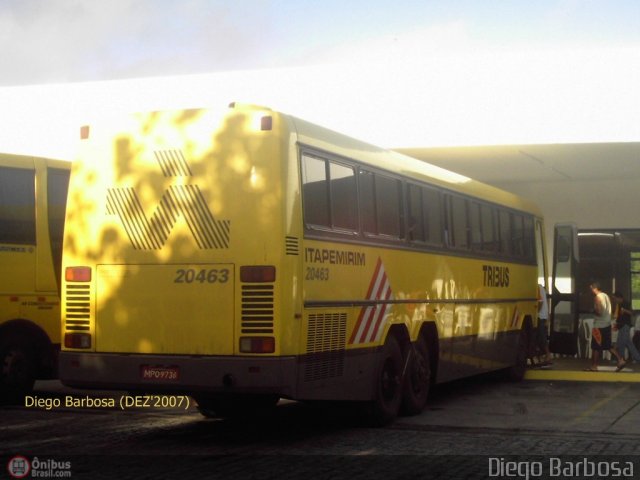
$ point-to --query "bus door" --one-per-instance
(564, 293)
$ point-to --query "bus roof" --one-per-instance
(342, 145)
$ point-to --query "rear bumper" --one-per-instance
(196, 374)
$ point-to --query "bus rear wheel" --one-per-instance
(417, 380)
(17, 369)
(388, 387)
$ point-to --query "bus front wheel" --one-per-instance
(388, 387)
(17, 369)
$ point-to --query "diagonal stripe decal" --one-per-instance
(368, 327)
(172, 163)
(179, 200)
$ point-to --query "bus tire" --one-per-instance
(388, 388)
(417, 380)
(516, 372)
(17, 369)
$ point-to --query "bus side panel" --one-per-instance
(478, 314)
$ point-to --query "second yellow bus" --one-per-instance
(33, 193)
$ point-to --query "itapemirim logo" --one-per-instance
(179, 200)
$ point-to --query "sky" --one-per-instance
(404, 73)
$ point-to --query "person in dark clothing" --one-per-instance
(622, 316)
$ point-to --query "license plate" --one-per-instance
(159, 373)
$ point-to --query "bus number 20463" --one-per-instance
(321, 274)
(191, 275)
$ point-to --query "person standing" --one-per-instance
(601, 334)
(543, 318)
(622, 317)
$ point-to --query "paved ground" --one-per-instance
(467, 426)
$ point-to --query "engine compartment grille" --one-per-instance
(77, 308)
(326, 339)
(257, 309)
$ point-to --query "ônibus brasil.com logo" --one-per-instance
(20, 466)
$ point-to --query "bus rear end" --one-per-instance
(174, 255)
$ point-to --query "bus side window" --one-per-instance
(17, 206)
(529, 239)
(366, 192)
(315, 191)
(518, 234)
(329, 195)
(380, 205)
(432, 209)
(389, 206)
(343, 195)
(416, 216)
(505, 232)
(459, 223)
(475, 226)
(489, 237)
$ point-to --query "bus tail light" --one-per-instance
(257, 273)
(77, 274)
(257, 344)
(77, 340)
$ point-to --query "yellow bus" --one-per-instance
(246, 255)
(33, 194)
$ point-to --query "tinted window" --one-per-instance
(432, 207)
(388, 206)
(505, 232)
(529, 238)
(344, 201)
(367, 202)
(416, 216)
(17, 206)
(489, 238)
(475, 226)
(340, 197)
(315, 192)
(459, 222)
(380, 204)
(517, 233)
